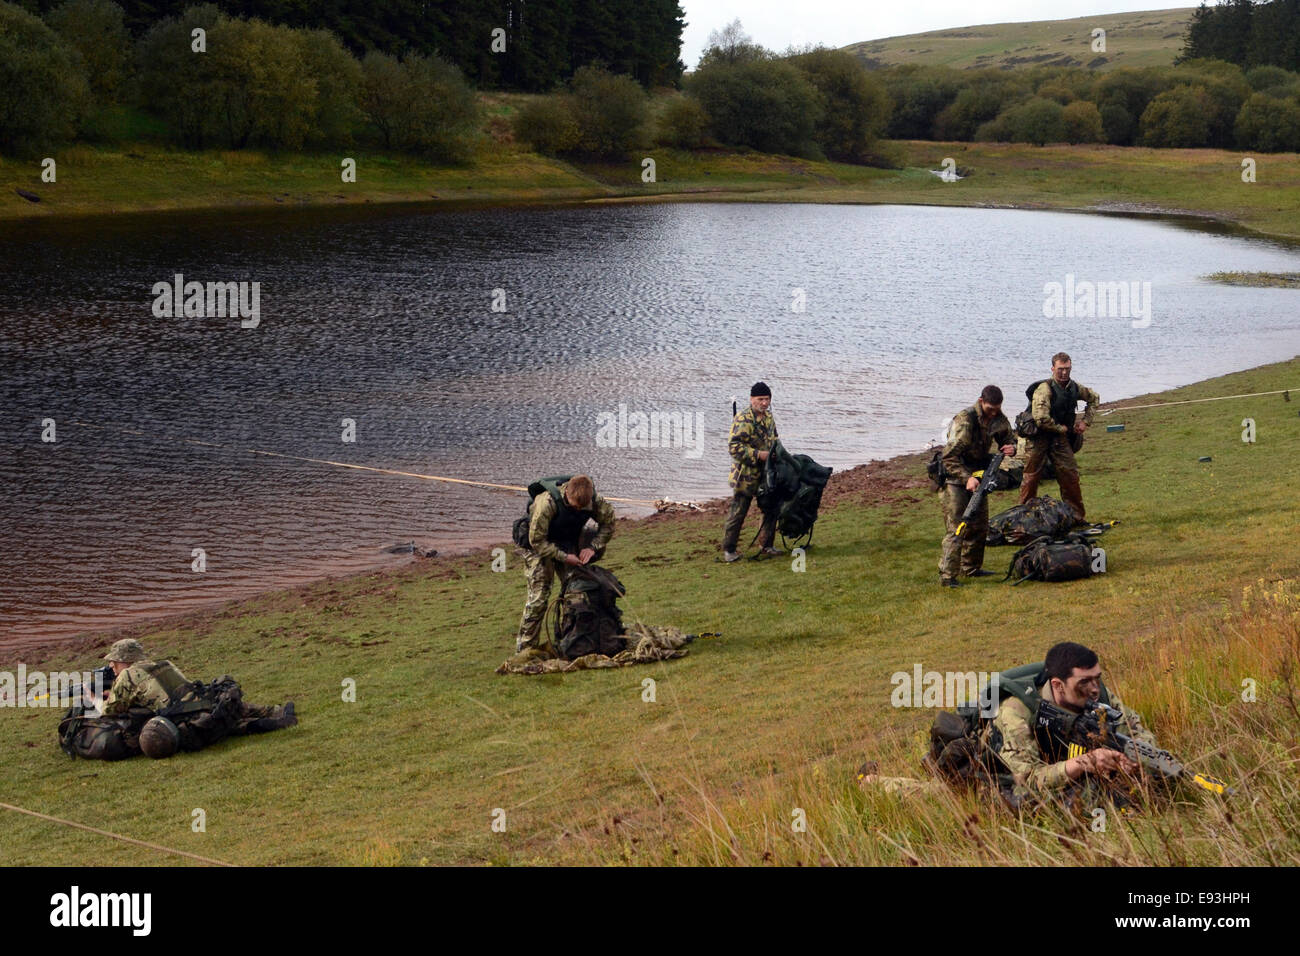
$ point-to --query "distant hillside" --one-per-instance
(1146, 38)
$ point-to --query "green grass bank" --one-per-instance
(1199, 604)
(1199, 182)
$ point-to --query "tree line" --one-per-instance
(260, 84)
(1197, 103)
(1246, 33)
(203, 78)
(814, 102)
(542, 42)
(817, 102)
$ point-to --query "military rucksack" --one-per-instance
(791, 491)
(209, 715)
(1046, 559)
(551, 486)
(587, 616)
(1039, 517)
(84, 734)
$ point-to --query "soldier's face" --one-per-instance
(1061, 372)
(1081, 687)
(760, 403)
(989, 412)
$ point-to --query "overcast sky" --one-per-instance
(779, 23)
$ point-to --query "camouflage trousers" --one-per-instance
(1054, 448)
(966, 554)
(540, 574)
(736, 517)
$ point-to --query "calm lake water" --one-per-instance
(871, 323)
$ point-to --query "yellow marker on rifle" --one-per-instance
(987, 477)
(1210, 784)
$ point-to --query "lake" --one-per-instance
(501, 345)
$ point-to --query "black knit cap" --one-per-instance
(760, 388)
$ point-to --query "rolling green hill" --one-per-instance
(1144, 38)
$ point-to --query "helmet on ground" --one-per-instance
(159, 738)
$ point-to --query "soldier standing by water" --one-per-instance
(753, 432)
(1053, 403)
(977, 433)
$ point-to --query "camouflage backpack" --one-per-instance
(208, 714)
(588, 620)
(83, 734)
(1045, 559)
(1039, 517)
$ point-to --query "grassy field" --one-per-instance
(766, 720)
(1203, 182)
(1144, 38)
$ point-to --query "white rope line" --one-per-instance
(115, 836)
(344, 464)
(1193, 401)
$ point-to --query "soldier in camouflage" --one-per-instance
(144, 684)
(1054, 405)
(976, 433)
(555, 531)
(1040, 768)
(753, 432)
(1043, 767)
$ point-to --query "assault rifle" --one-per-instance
(986, 483)
(1095, 728)
(101, 679)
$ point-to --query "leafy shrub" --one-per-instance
(547, 125)
(682, 123)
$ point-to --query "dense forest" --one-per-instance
(546, 41)
(79, 72)
(1247, 33)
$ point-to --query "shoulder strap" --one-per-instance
(549, 485)
(169, 678)
(1018, 682)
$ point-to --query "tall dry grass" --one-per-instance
(1221, 690)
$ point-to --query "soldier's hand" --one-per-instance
(585, 555)
(762, 455)
(1009, 450)
(972, 483)
(572, 559)
(1080, 427)
(1107, 761)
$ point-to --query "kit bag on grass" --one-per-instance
(1039, 517)
(588, 619)
(84, 734)
(1045, 559)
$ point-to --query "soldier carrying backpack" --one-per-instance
(1052, 432)
(551, 535)
(753, 432)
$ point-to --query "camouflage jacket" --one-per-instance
(1041, 407)
(544, 510)
(1020, 752)
(750, 434)
(144, 684)
(971, 442)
